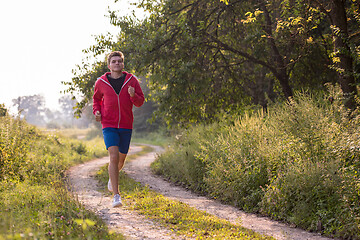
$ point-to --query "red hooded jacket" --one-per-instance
(116, 110)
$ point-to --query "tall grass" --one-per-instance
(34, 201)
(299, 162)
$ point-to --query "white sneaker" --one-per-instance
(110, 186)
(117, 201)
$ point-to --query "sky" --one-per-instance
(42, 41)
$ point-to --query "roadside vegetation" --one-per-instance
(160, 137)
(34, 200)
(298, 162)
(180, 218)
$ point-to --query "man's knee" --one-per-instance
(113, 151)
(114, 158)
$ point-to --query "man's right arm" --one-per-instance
(97, 99)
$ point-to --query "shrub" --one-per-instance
(235, 168)
(14, 135)
(180, 162)
(299, 162)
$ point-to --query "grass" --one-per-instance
(74, 133)
(174, 215)
(34, 200)
(31, 211)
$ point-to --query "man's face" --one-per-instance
(116, 64)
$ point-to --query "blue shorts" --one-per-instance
(119, 137)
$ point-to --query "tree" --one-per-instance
(68, 118)
(205, 58)
(343, 16)
(32, 108)
(67, 104)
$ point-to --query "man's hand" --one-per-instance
(98, 116)
(131, 91)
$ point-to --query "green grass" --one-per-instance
(174, 215)
(34, 200)
(31, 211)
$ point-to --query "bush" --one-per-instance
(299, 162)
(14, 135)
(236, 169)
(180, 164)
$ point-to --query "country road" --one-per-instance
(135, 226)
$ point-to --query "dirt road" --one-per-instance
(135, 226)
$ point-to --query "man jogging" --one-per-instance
(115, 94)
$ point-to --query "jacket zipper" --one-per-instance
(118, 96)
(119, 100)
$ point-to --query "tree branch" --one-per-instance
(225, 46)
(165, 42)
(323, 9)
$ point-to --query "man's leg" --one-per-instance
(125, 138)
(117, 161)
(114, 168)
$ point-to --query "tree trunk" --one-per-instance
(284, 82)
(342, 51)
(280, 66)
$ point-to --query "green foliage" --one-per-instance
(3, 110)
(34, 200)
(299, 162)
(202, 58)
(236, 169)
(179, 162)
